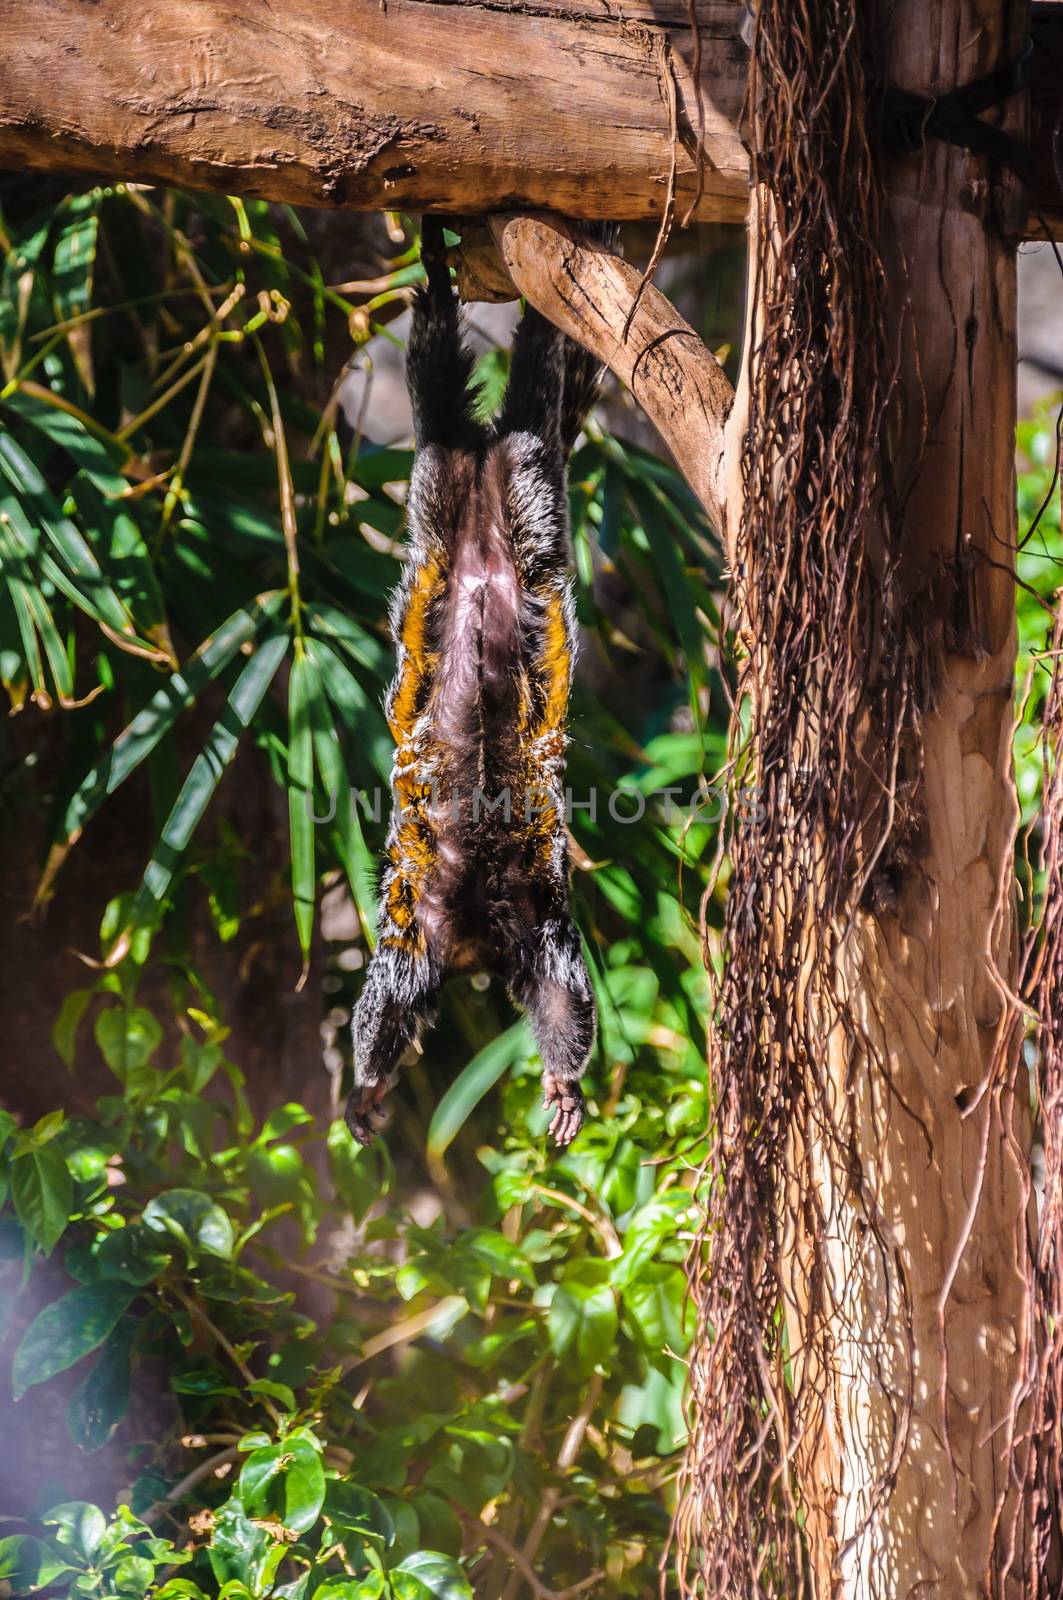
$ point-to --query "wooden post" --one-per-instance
(925, 1376)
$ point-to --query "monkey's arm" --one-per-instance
(438, 364)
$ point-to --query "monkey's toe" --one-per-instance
(566, 1101)
(365, 1115)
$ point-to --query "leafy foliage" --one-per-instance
(391, 1446)
(377, 1387)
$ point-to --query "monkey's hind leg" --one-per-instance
(399, 997)
(550, 981)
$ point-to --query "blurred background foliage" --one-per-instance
(244, 1357)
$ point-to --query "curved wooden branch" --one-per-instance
(589, 292)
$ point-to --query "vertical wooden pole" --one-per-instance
(925, 1367)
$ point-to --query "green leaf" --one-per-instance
(430, 1573)
(67, 1330)
(361, 1176)
(656, 1302)
(79, 1526)
(101, 1401)
(133, 1254)
(43, 1192)
(140, 737)
(133, 1575)
(276, 1391)
(582, 1320)
(202, 781)
(357, 860)
(238, 1550)
(352, 1509)
(76, 559)
(128, 1037)
(64, 1034)
(194, 1220)
(27, 1563)
(303, 687)
(72, 264)
(295, 1466)
(260, 1470)
(472, 1084)
(304, 1483)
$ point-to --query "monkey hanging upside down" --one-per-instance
(477, 873)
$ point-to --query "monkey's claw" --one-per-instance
(365, 1115)
(565, 1098)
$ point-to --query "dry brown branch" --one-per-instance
(541, 1590)
(589, 292)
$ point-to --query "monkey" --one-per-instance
(477, 873)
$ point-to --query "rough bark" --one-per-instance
(453, 105)
(921, 1392)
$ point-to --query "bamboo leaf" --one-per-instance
(355, 856)
(303, 687)
(140, 737)
(200, 785)
(472, 1083)
(80, 564)
(72, 268)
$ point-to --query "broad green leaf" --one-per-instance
(258, 1472)
(472, 1084)
(657, 1303)
(67, 1330)
(361, 1176)
(303, 687)
(304, 1483)
(430, 1573)
(295, 1467)
(101, 1400)
(43, 1192)
(352, 1509)
(238, 1549)
(582, 1321)
(27, 1563)
(134, 1575)
(128, 1037)
(193, 1219)
(64, 1034)
(133, 1254)
(280, 1392)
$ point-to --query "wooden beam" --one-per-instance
(382, 104)
(468, 106)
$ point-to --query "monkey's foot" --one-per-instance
(365, 1115)
(565, 1098)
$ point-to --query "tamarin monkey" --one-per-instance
(477, 862)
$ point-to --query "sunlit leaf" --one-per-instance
(193, 1219)
(43, 1193)
(67, 1330)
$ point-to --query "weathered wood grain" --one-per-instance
(378, 104)
(464, 105)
